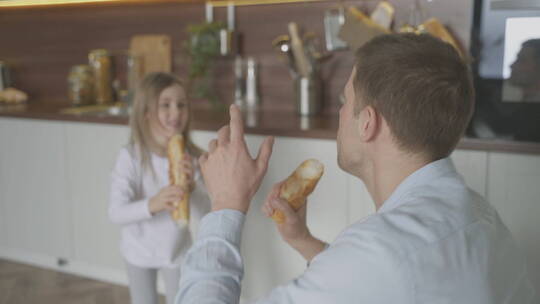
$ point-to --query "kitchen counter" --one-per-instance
(277, 123)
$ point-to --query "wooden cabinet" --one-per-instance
(91, 151)
(514, 189)
(4, 127)
(54, 188)
(35, 213)
(327, 213)
(360, 202)
(472, 165)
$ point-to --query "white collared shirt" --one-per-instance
(433, 241)
(147, 240)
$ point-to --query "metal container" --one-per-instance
(81, 85)
(252, 84)
(239, 82)
(333, 21)
(4, 76)
(308, 94)
(101, 63)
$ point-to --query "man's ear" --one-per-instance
(369, 123)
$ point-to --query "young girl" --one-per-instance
(141, 198)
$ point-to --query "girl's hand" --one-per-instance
(165, 199)
(186, 166)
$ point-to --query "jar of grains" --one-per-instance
(81, 85)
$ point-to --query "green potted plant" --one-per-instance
(203, 50)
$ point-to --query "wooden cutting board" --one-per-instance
(155, 50)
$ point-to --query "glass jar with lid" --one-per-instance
(81, 85)
(101, 63)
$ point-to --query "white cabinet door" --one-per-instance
(4, 133)
(514, 190)
(360, 202)
(327, 213)
(35, 212)
(472, 165)
(92, 151)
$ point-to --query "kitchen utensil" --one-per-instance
(312, 48)
(301, 62)
(333, 20)
(308, 93)
(228, 38)
(239, 82)
(252, 92)
(282, 44)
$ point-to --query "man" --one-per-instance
(526, 72)
(432, 240)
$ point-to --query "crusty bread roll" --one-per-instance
(12, 96)
(175, 152)
(299, 185)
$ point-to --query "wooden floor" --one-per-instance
(23, 284)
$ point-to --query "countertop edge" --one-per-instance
(491, 145)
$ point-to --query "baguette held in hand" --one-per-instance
(175, 152)
(299, 185)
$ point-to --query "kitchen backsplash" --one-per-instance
(42, 43)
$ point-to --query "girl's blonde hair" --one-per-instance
(146, 100)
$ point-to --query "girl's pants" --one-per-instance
(143, 284)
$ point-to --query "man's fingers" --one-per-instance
(236, 124)
(224, 135)
(265, 151)
(212, 145)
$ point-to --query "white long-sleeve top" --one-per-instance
(433, 241)
(151, 241)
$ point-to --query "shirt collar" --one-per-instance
(421, 176)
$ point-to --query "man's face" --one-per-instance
(526, 68)
(348, 137)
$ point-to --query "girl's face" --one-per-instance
(171, 114)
